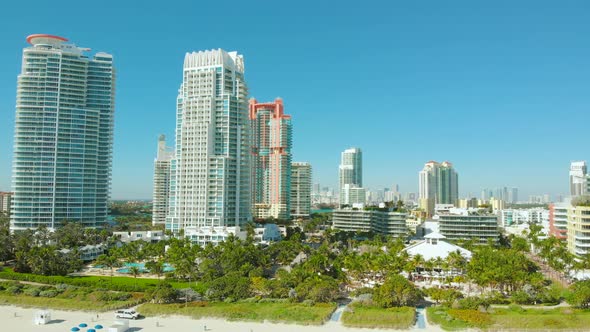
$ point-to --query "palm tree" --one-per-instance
(155, 267)
(110, 261)
(135, 271)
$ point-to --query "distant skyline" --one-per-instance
(499, 89)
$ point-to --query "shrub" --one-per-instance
(471, 316)
(112, 296)
(472, 303)
(32, 291)
(49, 293)
(521, 297)
(14, 290)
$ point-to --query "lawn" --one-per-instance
(278, 312)
(376, 317)
(512, 318)
(107, 282)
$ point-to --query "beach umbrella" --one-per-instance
(98, 327)
(83, 325)
(91, 330)
(75, 329)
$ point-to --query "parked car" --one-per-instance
(126, 313)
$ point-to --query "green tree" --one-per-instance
(396, 291)
(163, 293)
(580, 294)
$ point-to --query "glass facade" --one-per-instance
(63, 136)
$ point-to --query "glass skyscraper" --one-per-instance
(63, 135)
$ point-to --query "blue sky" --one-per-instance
(499, 88)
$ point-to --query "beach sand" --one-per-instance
(21, 320)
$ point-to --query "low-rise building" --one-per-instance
(147, 236)
(466, 227)
(87, 252)
(370, 220)
(204, 235)
(537, 216)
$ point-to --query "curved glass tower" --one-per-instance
(63, 135)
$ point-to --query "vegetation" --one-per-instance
(66, 297)
(368, 316)
(515, 318)
(253, 310)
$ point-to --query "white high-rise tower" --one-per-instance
(161, 182)
(63, 139)
(210, 175)
(578, 181)
(351, 175)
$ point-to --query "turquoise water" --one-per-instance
(142, 268)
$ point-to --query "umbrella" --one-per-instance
(75, 329)
(91, 330)
(83, 325)
(98, 327)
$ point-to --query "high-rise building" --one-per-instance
(210, 173)
(578, 180)
(350, 172)
(161, 182)
(271, 160)
(5, 202)
(578, 229)
(63, 139)
(513, 195)
(300, 189)
(448, 184)
(438, 184)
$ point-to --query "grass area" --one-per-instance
(242, 311)
(113, 283)
(376, 317)
(513, 318)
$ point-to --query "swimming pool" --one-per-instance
(141, 266)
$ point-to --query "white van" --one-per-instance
(126, 313)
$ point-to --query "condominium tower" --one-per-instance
(578, 179)
(210, 173)
(271, 159)
(64, 135)
(350, 173)
(161, 192)
(300, 189)
(438, 184)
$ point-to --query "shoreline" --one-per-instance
(20, 319)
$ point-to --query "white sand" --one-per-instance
(63, 321)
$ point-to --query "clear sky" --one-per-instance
(499, 88)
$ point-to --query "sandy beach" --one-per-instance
(21, 319)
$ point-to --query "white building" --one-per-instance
(538, 216)
(205, 235)
(63, 140)
(147, 236)
(161, 182)
(351, 174)
(210, 174)
(300, 189)
(434, 246)
(578, 180)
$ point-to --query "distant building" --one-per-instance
(438, 184)
(271, 160)
(354, 196)
(558, 214)
(161, 189)
(5, 202)
(300, 189)
(63, 141)
(359, 220)
(350, 173)
(466, 227)
(468, 203)
(538, 216)
(578, 179)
